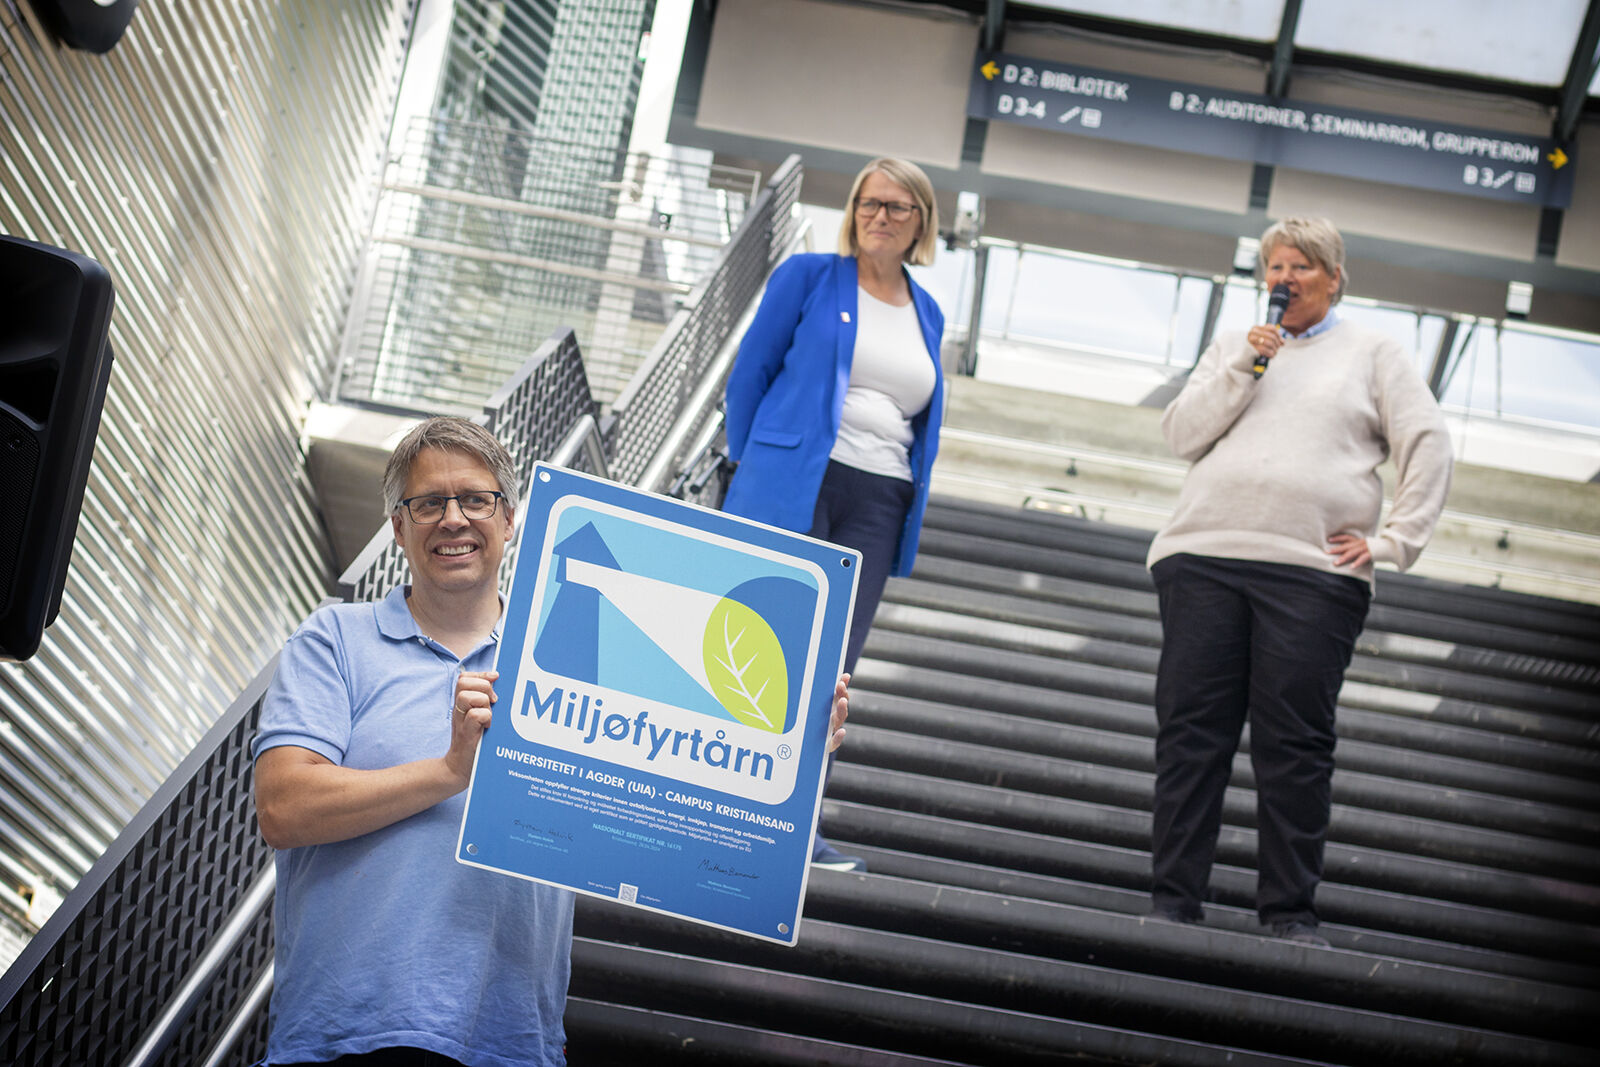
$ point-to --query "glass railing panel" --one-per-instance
(1188, 325)
(1099, 306)
(1528, 373)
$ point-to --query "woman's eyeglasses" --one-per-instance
(898, 210)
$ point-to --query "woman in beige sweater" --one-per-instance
(1265, 570)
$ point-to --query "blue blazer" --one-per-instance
(786, 392)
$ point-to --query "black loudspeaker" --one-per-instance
(54, 365)
(92, 25)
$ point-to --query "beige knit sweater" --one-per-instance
(1282, 463)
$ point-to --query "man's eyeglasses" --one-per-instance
(898, 210)
(427, 510)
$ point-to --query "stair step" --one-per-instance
(998, 778)
(1106, 824)
(1516, 794)
(1233, 885)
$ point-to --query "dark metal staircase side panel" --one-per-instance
(87, 988)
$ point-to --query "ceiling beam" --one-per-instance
(994, 25)
(1580, 72)
(1277, 82)
(1283, 52)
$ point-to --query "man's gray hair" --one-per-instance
(449, 433)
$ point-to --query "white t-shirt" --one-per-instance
(891, 381)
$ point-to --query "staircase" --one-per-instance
(997, 779)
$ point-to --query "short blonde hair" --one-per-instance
(1316, 238)
(908, 176)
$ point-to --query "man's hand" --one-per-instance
(469, 718)
(303, 798)
(841, 711)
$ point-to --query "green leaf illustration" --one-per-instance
(744, 663)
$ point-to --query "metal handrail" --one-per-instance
(585, 437)
(241, 1019)
(216, 956)
(698, 468)
(641, 380)
(706, 395)
(669, 395)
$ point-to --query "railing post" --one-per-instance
(980, 278)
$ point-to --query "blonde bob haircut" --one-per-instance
(1315, 238)
(908, 176)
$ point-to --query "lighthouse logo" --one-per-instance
(657, 648)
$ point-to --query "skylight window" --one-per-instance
(1505, 40)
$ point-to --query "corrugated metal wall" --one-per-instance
(220, 162)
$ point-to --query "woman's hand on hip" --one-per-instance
(1349, 550)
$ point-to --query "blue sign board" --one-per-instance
(1066, 98)
(660, 730)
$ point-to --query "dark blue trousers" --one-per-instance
(1262, 642)
(865, 512)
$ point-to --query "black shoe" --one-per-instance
(825, 855)
(1302, 933)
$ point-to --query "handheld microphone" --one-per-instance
(1276, 305)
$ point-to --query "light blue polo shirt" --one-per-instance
(385, 940)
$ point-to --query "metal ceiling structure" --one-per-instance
(1497, 65)
(1500, 47)
(1544, 52)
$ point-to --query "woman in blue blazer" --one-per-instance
(833, 405)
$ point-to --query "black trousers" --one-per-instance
(1268, 643)
(865, 512)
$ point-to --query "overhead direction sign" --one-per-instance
(1407, 151)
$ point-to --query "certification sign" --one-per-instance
(666, 678)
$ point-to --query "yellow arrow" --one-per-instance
(1558, 157)
(989, 70)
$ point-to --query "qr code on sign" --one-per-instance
(628, 894)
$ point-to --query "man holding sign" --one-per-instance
(388, 950)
